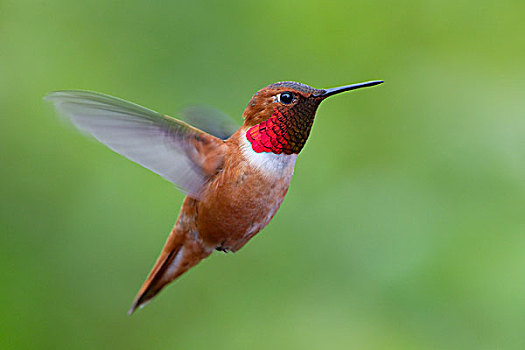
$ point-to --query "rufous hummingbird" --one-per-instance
(234, 181)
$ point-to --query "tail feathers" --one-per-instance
(151, 286)
(178, 255)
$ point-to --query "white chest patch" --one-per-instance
(269, 163)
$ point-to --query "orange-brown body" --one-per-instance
(235, 186)
(239, 200)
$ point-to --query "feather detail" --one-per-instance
(182, 154)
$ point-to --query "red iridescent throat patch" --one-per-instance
(279, 134)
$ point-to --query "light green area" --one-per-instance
(404, 227)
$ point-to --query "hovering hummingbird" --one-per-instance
(234, 180)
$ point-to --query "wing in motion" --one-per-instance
(210, 120)
(182, 154)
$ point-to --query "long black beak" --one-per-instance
(337, 90)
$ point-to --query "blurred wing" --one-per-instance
(165, 145)
(210, 120)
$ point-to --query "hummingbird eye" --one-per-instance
(286, 97)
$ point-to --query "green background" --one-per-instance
(404, 227)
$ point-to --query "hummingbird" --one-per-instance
(234, 180)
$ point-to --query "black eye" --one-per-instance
(286, 98)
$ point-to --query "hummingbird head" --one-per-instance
(279, 117)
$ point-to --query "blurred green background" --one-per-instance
(404, 224)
